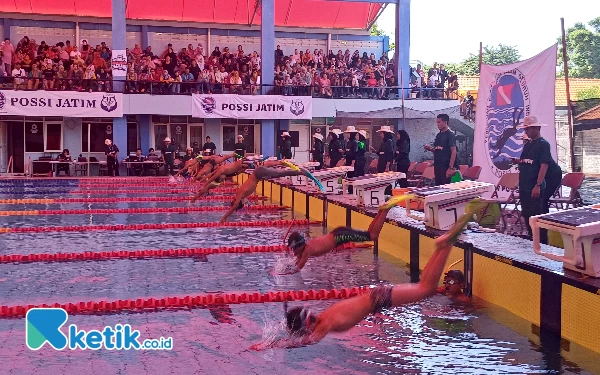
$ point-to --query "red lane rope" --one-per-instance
(209, 198)
(115, 306)
(144, 210)
(144, 184)
(154, 253)
(77, 228)
(158, 191)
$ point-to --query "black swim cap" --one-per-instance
(296, 240)
(456, 275)
(297, 318)
(240, 205)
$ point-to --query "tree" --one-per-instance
(376, 31)
(583, 50)
(589, 93)
(500, 55)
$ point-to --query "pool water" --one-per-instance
(431, 337)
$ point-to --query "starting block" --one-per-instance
(444, 204)
(369, 190)
(329, 178)
(580, 231)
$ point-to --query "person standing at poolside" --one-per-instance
(445, 162)
(112, 152)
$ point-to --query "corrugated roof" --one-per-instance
(591, 114)
(293, 13)
(575, 84)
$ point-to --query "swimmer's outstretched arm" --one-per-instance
(344, 315)
(221, 159)
(233, 207)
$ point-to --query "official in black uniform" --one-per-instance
(444, 151)
(335, 148)
(535, 165)
(351, 149)
(361, 162)
(112, 152)
(209, 145)
(137, 169)
(402, 155)
(318, 150)
(168, 151)
(240, 147)
(386, 149)
(286, 145)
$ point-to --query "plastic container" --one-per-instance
(401, 191)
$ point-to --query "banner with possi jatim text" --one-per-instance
(266, 107)
(507, 94)
(61, 103)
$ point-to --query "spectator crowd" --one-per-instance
(32, 66)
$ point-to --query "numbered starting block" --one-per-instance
(444, 204)
(580, 231)
(369, 190)
(330, 178)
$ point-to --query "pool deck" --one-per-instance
(561, 305)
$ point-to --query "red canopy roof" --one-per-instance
(295, 13)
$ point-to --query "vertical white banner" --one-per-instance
(507, 94)
(119, 63)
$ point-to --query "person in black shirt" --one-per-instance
(386, 149)
(208, 145)
(240, 147)
(138, 157)
(402, 155)
(66, 157)
(535, 166)
(167, 156)
(318, 150)
(444, 151)
(286, 145)
(360, 161)
(112, 152)
(335, 148)
(351, 148)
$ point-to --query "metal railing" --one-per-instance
(153, 87)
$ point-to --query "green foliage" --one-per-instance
(376, 31)
(588, 93)
(499, 55)
(583, 50)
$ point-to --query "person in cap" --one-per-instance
(263, 172)
(167, 156)
(535, 166)
(209, 145)
(386, 150)
(351, 149)
(361, 161)
(206, 164)
(342, 316)
(220, 174)
(453, 287)
(335, 148)
(286, 145)
(445, 162)
(318, 150)
(240, 146)
(112, 152)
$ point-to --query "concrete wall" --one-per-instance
(587, 143)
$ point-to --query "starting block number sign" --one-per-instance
(371, 196)
(331, 185)
(299, 180)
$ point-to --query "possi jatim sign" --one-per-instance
(61, 103)
(267, 107)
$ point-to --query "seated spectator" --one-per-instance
(99, 62)
(187, 78)
(325, 86)
(452, 86)
(177, 83)
(236, 83)
(148, 52)
(137, 159)
(142, 83)
(170, 64)
(64, 157)
(48, 76)
(75, 77)
(85, 49)
(103, 80)
(61, 78)
(19, 74)
(89, 78)
(26, 64)
(131, 81)
(371, 83)
(166, 83)
(137, 51)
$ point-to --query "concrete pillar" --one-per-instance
(119, 37)
(77, 39)
(402, 39)
(213, 130)
(145, 126)
(120, 139)
(267, 46)
(6, 24)
(328, 43)
(208, 50)
(145, 42)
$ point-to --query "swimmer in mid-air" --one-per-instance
(342, 316)
(263, 172)
(207, 164)
(221, 173)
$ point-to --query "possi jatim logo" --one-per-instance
(297, 107)
(506, 107)
(108, 103)
(2, 100)
(209, 104)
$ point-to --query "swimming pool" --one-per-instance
(429, 337)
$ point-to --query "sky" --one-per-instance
(448, 30)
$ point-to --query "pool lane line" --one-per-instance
(157, 185)
(144, 210)
(155, 253)
(186, 190)
(189, 302)
(209, 198)
(120, 227)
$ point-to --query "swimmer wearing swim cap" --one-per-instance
(263, 172)
(321, 245)
(454, 284)
(344, 315)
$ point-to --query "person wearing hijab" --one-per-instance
(335, 148)
(361, 162)
(386, 149)
(351, 149)
(402, 155)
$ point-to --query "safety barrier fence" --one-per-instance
(155, 253)
(198, 301)
(144, 210)
(121, 227)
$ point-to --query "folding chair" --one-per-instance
(509, 182)
(427, 178)
(417, 173)
(463, 168)
(573, 181)
(373, 166)
(471, 173)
